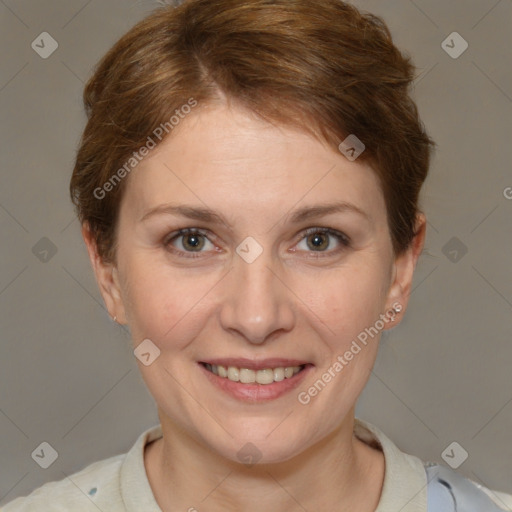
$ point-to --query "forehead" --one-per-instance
(226, 157)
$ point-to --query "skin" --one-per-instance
(286, 303)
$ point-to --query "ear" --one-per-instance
(403, 272)
(106, 277)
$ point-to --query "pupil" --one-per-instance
(317, 240)
(195, 241)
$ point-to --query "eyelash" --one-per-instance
(343, 239)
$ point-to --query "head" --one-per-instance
(226, 119)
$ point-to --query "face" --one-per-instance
(258, 281)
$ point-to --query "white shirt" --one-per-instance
(120, 483)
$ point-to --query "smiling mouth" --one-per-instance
(264, 376)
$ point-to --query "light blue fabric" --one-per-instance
(448, 491)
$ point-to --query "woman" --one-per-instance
(248, 187)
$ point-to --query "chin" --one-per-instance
(264, 447)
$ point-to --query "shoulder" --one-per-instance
(103, 485)
(449, 491)
(77, 492)
(411, 484)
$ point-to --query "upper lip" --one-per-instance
(253, 364)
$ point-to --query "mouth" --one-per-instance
(255, 381)
(263, 376)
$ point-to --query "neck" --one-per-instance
(339, 473)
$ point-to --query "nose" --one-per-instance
(257, 302)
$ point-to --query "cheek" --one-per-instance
(168, 303)
(347, 299)
(164, 303)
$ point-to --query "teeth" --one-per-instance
(265, 376)
(278, 374)
(247, 376)
(233, 373)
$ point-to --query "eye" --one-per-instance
(192, 241)
(318, 240)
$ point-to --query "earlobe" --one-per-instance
(403, 269)
(106, 276)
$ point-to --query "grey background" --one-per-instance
(67, 373)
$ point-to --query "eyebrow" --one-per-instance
(300, 215)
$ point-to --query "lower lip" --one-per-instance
(256, 392)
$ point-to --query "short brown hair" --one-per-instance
(320, 65)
